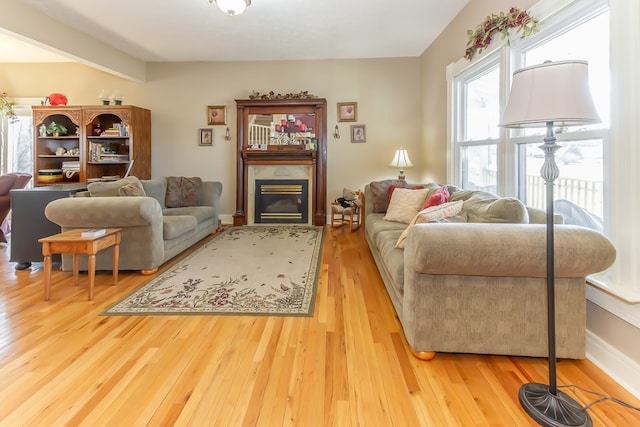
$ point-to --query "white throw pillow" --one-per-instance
(444, 210)
(405, 204)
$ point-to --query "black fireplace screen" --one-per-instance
(282, 201)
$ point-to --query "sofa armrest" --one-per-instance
(210, 193)
(104, 212)
(512, 250)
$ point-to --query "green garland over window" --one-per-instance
(480, 38)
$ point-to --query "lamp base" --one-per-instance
(551, 410)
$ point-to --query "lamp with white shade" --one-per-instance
(548, 95)
(401, 161)
(232, 7)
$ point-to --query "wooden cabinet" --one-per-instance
(100, 142)
(57, 136)
(294, 134)
(115, 136)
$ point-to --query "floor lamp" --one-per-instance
(553, 93)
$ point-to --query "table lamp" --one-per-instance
(401, 161)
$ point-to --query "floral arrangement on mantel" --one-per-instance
(6, 107)
(480, 38)
(273, 95)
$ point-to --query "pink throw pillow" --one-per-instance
(439, 197)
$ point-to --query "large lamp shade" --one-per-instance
(555, 92)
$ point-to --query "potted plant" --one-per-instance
(56, 129)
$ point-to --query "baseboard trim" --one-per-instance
(226, 219)
(624, 370)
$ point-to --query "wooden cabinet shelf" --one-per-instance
(55, 156)
(133, 145)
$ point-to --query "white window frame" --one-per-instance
(459, 92)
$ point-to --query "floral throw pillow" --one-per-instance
(132, 189)
(182, 191)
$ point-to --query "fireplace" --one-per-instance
(281, 201)
(279, 160)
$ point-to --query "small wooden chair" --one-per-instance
(351, 215)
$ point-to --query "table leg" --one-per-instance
(116, 261)
(76, 264)
(92, 274)
(47, 274)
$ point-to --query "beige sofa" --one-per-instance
(152, 232)
(476, 282)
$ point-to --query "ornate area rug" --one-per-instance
(250, 270)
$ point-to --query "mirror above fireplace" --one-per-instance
(281, 132)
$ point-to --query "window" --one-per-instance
(478, 132)
(579, 191)
(597, 177)
(17, 141)
(509, 163)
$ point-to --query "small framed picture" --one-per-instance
(206, 136)
(347, 111)
(216, 115)
(358, 133)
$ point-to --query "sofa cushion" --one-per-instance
(156, 188)
(176, 225)
(112, 188)
(481, 206)
(392, 258)
(405, 204)
(200, 213)
(380, 193)
(432, 213)
(182, 191)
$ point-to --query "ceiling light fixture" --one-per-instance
(232, 7)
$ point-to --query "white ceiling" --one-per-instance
(195, 30)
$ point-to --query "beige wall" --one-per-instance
(447, 48)
(386, 90)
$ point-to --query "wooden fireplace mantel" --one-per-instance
(282, 155)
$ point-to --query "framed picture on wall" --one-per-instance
(347, 111)
(205, 136)
(358, 133)
(216, 115)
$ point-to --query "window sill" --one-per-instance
(618, 300)
(603, 283)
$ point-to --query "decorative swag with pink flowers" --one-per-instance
(480, 38)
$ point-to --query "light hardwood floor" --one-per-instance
(61, 363)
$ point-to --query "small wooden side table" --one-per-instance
(72, 242)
